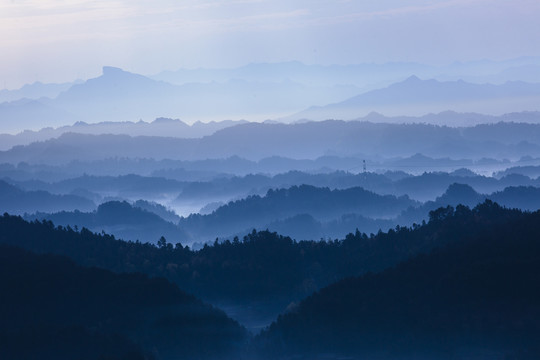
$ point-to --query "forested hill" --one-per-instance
(52, 308)
(233, 269)
(310, 140)
(18, 201)
(478, 297)
(126, 221)
(303, 212)
(477, 289)
(323, 204)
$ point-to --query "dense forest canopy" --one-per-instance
(476, 297)
(459, 249)
(232, 269)
(52, 308)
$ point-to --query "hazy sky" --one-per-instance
(55, 41)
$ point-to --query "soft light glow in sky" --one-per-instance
(60, 40)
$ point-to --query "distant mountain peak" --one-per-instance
(460, 194)
(457, 188)
(419, 156)
(413, 78)
(374, 115)
(164, 120)
(111, 70)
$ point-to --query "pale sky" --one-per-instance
(57, 41)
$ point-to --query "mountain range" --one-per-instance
(474, 298)
(368, 212)
(310, 140)
(118, 96)
(416, 97)
(367, 76)
(35, 91)
(262, 91)
(158, 127)
(302, 212)
(16, 201)
(121, 219)
(417, 288)
(177, 128)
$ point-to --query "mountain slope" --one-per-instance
(474, 298)
(230, 272)
(67, 311)
(526, 198)
(158, 127)
(255, 141)
(283, 205)
(121, 219)
(36, 90)
(119, 95)
(25, 114)
(416, 97)
(16, 201)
